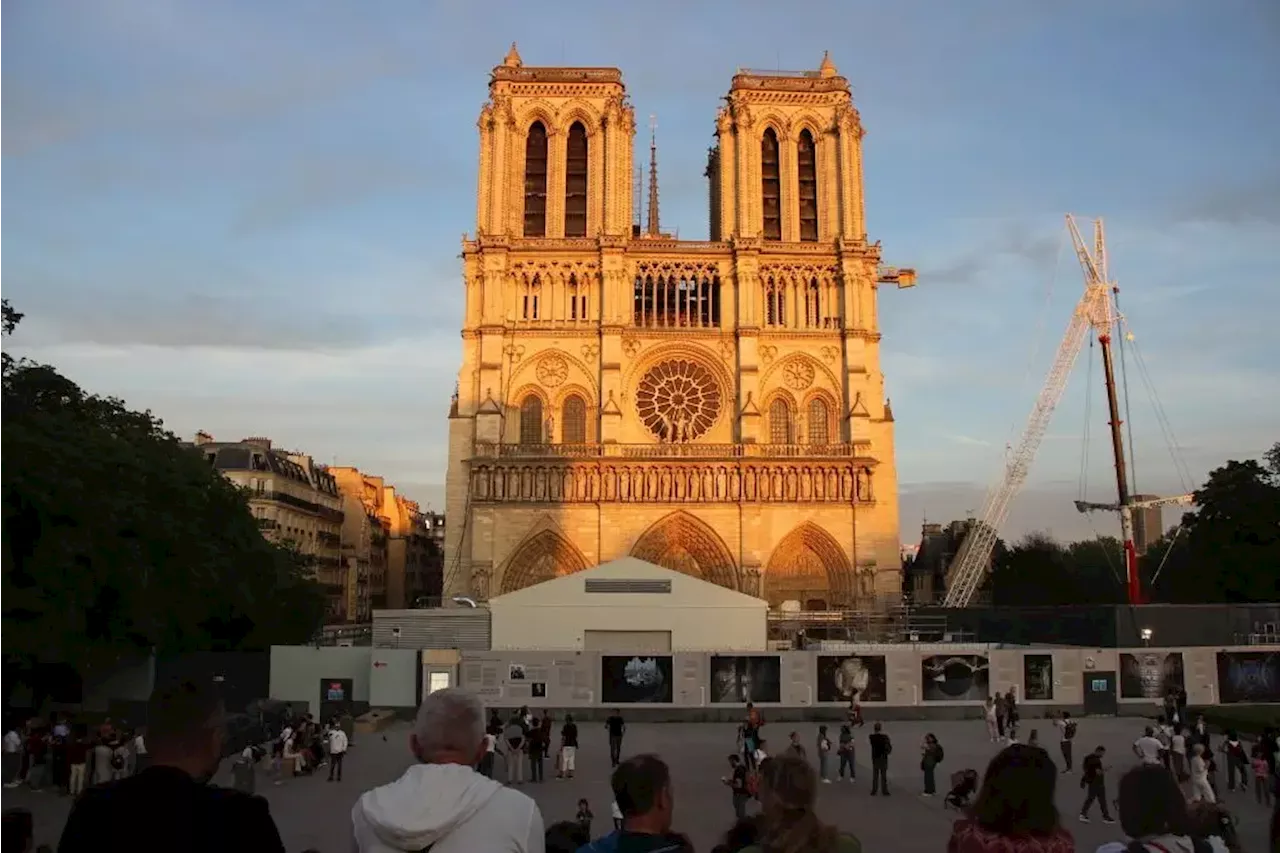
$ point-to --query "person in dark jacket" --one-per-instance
(170, 807)
(642, 789)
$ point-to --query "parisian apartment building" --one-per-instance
(371, 547)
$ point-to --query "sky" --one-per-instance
(245, 217)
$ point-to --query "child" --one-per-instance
(1261, 775)
(584, 816)
(824, 755)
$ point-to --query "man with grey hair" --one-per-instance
(442, 803)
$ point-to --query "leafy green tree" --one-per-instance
(117, 538)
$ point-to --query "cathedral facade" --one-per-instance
(715, 407)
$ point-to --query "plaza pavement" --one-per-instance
(313, 813)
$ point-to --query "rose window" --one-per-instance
(678, 400)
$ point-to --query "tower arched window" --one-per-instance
(531, 420)
(573, 420)
(575, 182)
(771, 185)
(535, 181)
(780, 426)
(807, 163)
(819, 422)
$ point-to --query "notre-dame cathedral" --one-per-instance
(715, 406)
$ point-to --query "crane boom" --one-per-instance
(1093, 311)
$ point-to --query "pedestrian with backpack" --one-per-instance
(1067, 728)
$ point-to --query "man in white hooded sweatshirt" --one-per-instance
(443, 803)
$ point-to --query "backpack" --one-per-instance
(117, 761)
(1069, 730)
(753, 783)
(938, 753)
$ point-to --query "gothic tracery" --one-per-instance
(544, 556)
(686, 544)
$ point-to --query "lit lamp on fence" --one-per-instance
(1146, 636)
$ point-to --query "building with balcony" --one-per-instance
(295, 502)
(714, 407)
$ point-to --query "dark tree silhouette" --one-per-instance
(117, 539)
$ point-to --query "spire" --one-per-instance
(653, 176)
(512, 59)
(827, 68)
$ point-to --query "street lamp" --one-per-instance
(1146, 636)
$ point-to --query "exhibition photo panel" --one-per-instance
(738, 679)
(955, 678)
(636, 679)
(1151, 675)
(1248, 677)
(1037, 678)
(852, 678)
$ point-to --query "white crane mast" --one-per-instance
(971, 563)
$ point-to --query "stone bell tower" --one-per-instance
(555, 153)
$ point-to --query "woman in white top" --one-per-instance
(989, 711)
(294, 761)
(1200, 787)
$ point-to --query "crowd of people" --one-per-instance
(54, 753)
(448, 800)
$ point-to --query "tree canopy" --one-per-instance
(1226, 551)
(119, 539)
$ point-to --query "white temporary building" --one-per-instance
(628, 606)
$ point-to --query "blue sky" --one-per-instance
(246, 216)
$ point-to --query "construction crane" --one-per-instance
(1092, 312)
(1126, 510)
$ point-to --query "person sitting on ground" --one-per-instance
(442, 802)
(1153, 813)
(642, 789)
(788, 820)
(1014, 809)
(171, 806)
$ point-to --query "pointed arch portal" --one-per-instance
(810, 567)
(542, 557)
(688, 545)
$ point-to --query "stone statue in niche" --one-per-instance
(480, 582)
(751, 580)
(846, 485)
(550, 430)
(864, 484)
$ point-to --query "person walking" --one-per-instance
(1200, 787)
(617, 727)
(881, 747)
(737, 782)
(846, 753)
(930, 757)
(989, 714)
(1093, 779)
(1067, 728)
